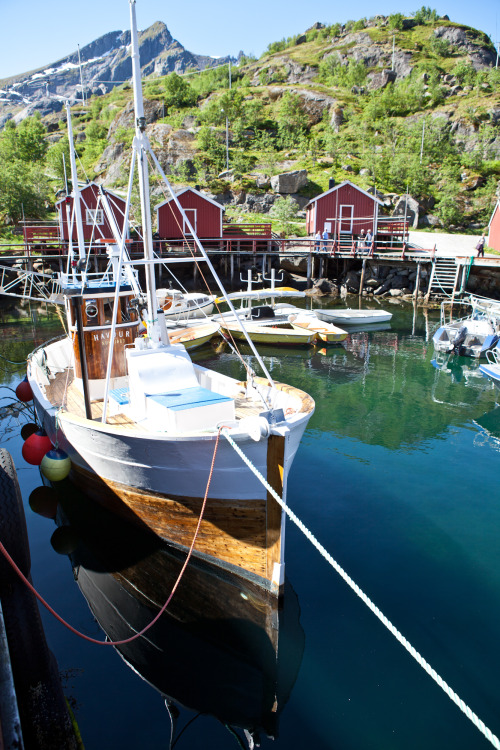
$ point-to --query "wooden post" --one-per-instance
(431, 279)
(309, 264)
(232, 268)
(361, 281)
(417, 282)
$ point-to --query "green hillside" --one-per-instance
(393, 103)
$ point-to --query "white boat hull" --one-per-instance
(353, 317)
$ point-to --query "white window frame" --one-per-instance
(94, 216)
(343, 219)
(189, 214)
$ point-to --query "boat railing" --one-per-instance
(493, 356)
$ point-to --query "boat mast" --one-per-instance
(141, 147)
(77, 206)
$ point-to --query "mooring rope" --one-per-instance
(164, 607)
(373, 607)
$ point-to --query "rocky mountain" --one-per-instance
(105, 63)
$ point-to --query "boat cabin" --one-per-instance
(90, 317)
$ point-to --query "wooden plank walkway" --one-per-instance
(63, 392)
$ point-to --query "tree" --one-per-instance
(24, 191)
(284, 211)
(292, 120)
(25, 141)
(178, 92)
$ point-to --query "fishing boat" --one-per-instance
(348, 317)
(244, 647)
(275, 335)
(326, 332)
(150, 434)
(178, 305)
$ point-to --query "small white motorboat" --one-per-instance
(176, 304)
(347, 317)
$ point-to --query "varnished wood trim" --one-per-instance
(275, 463)
(232, 532)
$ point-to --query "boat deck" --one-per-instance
(64, 392)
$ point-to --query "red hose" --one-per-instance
(162, 610)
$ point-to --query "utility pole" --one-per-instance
(422, 145)
(81, 76)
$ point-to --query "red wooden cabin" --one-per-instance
(494, 228)
(204, 214)
(95, 223)
(343, 210)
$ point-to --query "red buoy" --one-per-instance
(35, 447)
(23, 391)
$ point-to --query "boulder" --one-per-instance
(289, 182)
(351, 281)
(380, 80)
(336, 117)
(408, 206)
(325, 286)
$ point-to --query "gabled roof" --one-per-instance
(341, 184)
(93, 184)
(192, 190)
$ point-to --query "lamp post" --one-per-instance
(227, 139)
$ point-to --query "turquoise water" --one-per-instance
(397, 477)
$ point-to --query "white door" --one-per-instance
(346, 218)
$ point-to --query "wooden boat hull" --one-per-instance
(269, 335)
(325, 332)
(195, 336)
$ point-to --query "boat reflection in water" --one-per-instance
(224, 647)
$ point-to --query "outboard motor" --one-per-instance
(258, 313)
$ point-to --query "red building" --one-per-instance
(95, 224)
(203, 213)
(343, 210)
(494, 229)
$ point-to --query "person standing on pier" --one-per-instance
(480, 248)
(325, 240)
(317, 244)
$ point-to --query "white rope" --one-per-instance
(376, 611)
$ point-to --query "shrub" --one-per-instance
(423, 15)
(396, 21)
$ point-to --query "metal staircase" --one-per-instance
(444, 277)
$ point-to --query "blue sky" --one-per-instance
(36, 33)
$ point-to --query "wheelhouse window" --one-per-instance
(94, 216)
